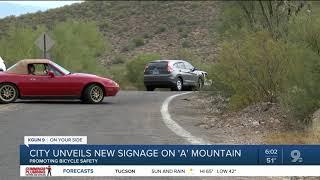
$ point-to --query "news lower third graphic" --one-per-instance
(72, 156)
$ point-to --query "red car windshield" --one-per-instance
(63, 70)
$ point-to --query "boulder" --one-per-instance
(255, 123)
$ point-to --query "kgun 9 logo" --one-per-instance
(296, 156)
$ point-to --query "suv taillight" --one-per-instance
(169, 68)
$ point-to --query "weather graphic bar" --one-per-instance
(165, 160)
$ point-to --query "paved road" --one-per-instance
(129, 118)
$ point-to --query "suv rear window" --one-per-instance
(160, 66)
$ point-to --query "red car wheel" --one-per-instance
(93, 94)
(8, 93)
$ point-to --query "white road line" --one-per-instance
(175, 127)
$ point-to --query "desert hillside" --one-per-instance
(167, 28)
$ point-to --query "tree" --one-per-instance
(272, 15)
(19, 44)
(78, 44)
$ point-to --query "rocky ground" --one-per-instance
(248, 126)
(261, 123)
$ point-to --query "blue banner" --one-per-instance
(170, 155)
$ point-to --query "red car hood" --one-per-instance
(84, 75)
(90, 76)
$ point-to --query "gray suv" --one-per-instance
(174, 74)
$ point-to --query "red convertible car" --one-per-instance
(42, 78)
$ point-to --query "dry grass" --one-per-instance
(294, 137)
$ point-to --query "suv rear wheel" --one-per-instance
(178, 85)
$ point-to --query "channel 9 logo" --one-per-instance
(296, 156)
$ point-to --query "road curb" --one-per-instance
(174, 126)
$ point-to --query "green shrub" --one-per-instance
(305, 30)
(104, 25)
(172, 20)
(302, 97)
(218, 86)
(300, 103)
(78, 44)
(126, 48)
(135, 68)
(118, 59)
(19, 44)
(187, 54)
(231, 18)
(146, 35)
(186, 44)
(258, 68)
(161, 29)
(254, 67)
(184, 34)
(117, 72)
(138, 41)
(182, 22)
